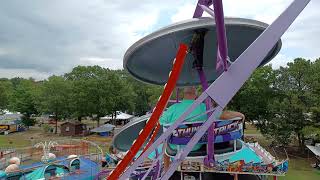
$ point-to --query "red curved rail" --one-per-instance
(151, 124)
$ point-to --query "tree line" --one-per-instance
(85, 91)
(284, 103)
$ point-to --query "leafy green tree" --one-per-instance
(254, 97)
(140, 100)
(289, 108)
(5, 93)
(46, 128)
(315, 90)
(122, 93)
(154, 92)
(16, 81)
(293, 82)
(312, 132)
(80, 79)
(92, 91)
(280, 100)
(23, 97)
(28, 121)
(54, 97)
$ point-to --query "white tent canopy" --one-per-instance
(314, 149)
(120, 116)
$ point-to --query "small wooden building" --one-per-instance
(73, 129)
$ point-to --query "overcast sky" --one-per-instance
(39, 38)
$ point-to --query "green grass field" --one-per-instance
(299, 168)
(250, 129)
(12, 141)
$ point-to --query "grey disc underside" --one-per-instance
(150, 59)
(123, 140)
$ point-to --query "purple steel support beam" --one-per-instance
(209, 160)
(157, 168)
(222, 54)
(225, 87)
(156, 171)
(177, 95)
(199, 11)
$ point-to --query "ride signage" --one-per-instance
(225, 131)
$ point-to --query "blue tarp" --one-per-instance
(103, 128)
(104, 134)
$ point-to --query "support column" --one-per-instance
(209, 160)
(222, 53)
(177, 95)
(235, 176)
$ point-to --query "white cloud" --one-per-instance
(54, 36)
(280, 60)
(184, 12)
(103, 62)
(25, 73)
(51, 37)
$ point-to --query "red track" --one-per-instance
(152, 122)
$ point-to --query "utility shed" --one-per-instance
(73, 129)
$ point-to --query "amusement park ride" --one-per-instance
(217, 53)
(221, 51)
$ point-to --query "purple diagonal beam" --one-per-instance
(199, 11)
